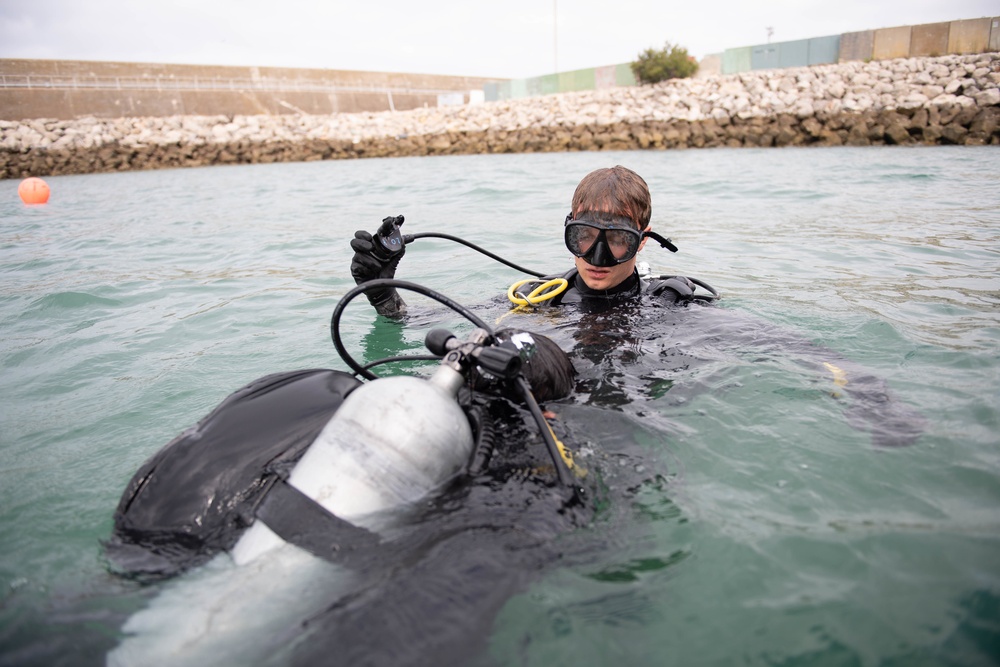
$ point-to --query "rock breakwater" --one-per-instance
(944, 100)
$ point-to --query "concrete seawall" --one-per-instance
(943, 100)
(67, 89)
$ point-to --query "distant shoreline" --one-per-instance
(942, 100)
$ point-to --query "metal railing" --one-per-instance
(196, 83)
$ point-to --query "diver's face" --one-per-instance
(606, 277)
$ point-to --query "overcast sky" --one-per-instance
(509, 39)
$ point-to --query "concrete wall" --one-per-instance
(929, 39)
(856, 45)
(970, 36)
(73, 89)
(933, 39)
(891, 43)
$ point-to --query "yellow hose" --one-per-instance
(555, 287)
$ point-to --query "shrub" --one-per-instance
(670, 62)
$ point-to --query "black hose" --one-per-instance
(390, 282)
(437, 235)
(562, 470)
(701, 283)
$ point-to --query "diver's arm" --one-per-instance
(868, 402)
(366, 266)
(392, 305)
(871, 405)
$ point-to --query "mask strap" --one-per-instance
(664, 242)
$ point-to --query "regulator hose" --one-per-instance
(701, 283)
(664, 242)
(562, 469)
(437, 235)
(338, 311)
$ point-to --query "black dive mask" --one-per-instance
(605, 240)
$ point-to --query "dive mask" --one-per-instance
(606, 240)
(603, 240)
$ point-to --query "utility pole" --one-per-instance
(770, 32)
(555, 35)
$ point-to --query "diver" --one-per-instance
(608, 225)
(485, 526)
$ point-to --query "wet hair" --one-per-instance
(546, 367)
(616, 190)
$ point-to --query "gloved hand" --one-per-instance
(371, 262)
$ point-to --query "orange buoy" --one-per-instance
(33, 191)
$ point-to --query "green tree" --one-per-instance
(670, 62)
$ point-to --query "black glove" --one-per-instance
(371, 262)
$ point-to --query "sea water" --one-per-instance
(758, 522)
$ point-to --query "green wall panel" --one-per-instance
(794, 54)
(823, 50)
(581, 79)
(737, 60)
(624, 75)
(543, 85)
(764, 56)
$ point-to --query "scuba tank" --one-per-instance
(392, 442)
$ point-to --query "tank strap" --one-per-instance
(297, 518)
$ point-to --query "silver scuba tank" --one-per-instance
(392, 442)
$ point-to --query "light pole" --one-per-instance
(555, 35)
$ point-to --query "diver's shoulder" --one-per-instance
(678, 289)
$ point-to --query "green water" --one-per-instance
(768, 528)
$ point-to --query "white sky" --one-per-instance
(510, 39)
